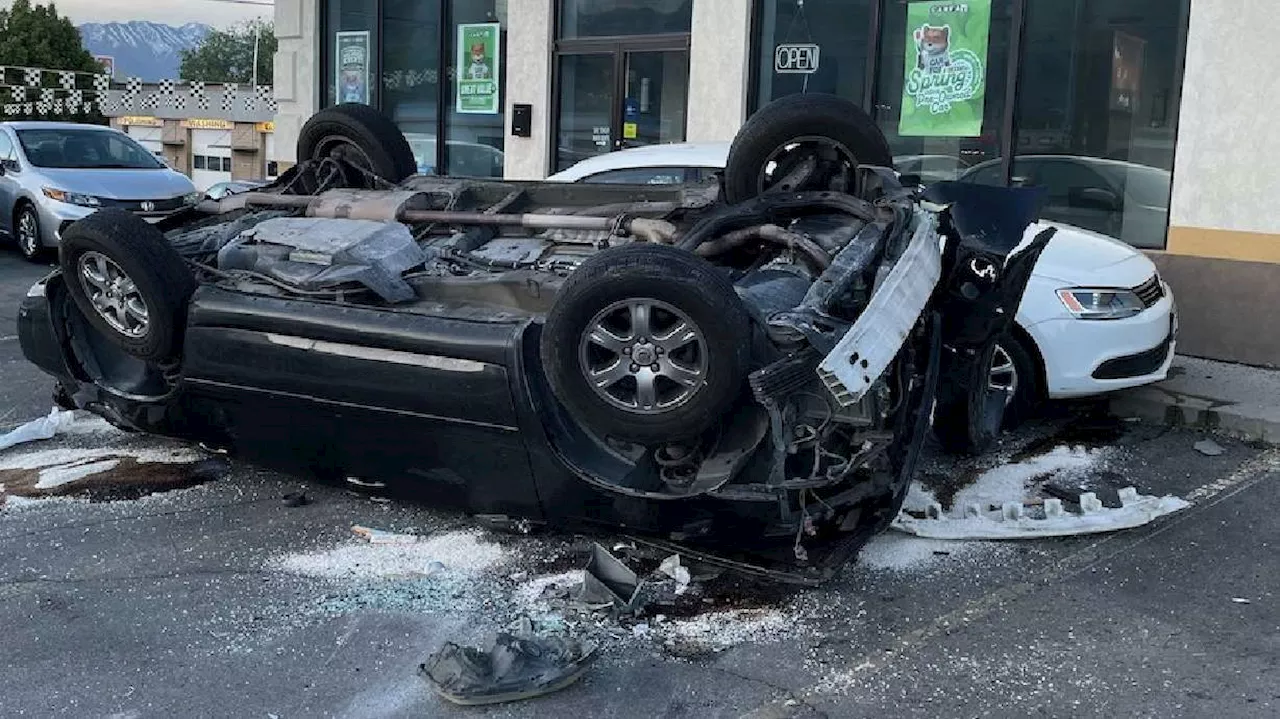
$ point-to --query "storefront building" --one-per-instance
(1147, 120)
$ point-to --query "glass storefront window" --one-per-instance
(475, 138)
(352, 37)
(411, 73)
(840, 30)
(585, 108)
(602, 18)
(400, 57)
(1097, 113)
(942, 122)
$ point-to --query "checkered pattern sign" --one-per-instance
(33, 89)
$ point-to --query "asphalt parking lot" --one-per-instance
(167, 589)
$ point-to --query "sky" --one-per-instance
(173, 12)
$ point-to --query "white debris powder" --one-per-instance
(57, 466)
(529, 593)
(897, 552)
(1009, 482)
(461, 551)
(717, 631)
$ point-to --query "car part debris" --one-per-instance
(607, 581)
(865, 352)
(507, 523)
(379, 536)
(1209, 448)
(523, 663)
(47, 427)
(1015, 520)
(672, 567)
(295, 499)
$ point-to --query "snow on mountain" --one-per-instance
(149, 50)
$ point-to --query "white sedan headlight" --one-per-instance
(1101, 304)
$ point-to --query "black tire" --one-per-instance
(36, 252)
(968, 417)
(648, 273)
(361, 134)
(783, 121)
(1029, 391)
(142, 253)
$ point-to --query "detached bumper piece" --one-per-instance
(862, 356)
(520, 665)
(1016, 520)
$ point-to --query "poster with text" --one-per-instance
(944, 86)
(352, 66)
(479, 66)
(1127, 58)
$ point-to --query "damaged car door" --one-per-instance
(422, 401)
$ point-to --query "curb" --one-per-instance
(1159, 405)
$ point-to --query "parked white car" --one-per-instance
(1096, 316)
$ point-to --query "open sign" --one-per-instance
(796, 59)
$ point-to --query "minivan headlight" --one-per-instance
(1101, 304)
(71, 198)
(193, 198)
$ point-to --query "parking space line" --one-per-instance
(7, 338)
(1203, 499)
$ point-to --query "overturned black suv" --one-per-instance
(742, 365)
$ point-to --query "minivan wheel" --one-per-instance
(361, 136)
(27, 233)
(646, 343)
(811, 142)
(128, 282)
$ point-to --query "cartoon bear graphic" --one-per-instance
(479, 69)
(933, 43)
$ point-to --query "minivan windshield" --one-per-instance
(85, 149)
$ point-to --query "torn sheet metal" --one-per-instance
(608, 581)
(1013, 520)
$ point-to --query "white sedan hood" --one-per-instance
(1079, 258)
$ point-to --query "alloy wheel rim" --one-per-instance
(643, 356)
(1003, 375)
(114, 295)
(28, 233)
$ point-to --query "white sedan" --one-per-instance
(1096, 316)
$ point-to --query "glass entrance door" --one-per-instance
(655, 98)
(623, 96)
(588, 95)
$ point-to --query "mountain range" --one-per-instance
(149, 50)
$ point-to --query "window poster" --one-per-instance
(1128, 54)
(944, 87)
(352, 66)
(479, 65)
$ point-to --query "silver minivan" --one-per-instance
(54, 173)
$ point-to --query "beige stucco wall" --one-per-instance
(295, 71)
(1224, 177)
(720, 54)
(528, 67)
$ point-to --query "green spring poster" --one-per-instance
(944, 86)
(479, 65)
